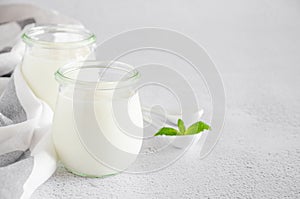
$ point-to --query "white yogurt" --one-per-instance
(96, 159)
(39, 65)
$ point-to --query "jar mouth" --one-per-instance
(58, 36)
(97, 75)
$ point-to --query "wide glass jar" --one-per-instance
(48, 48)
(97, 127)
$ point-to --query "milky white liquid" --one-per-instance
(39, 65)
(99, 159)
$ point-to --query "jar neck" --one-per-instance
(97, 75)
(58, 37)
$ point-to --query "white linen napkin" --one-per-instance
(27, 155)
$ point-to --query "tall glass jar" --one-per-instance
(48, 48)
(97, 126)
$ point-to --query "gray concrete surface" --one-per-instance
(256, 46)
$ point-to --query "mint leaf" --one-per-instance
(181, 126)
(167, 131)
(193, 129)
(197, 128)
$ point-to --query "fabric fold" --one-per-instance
(27, 154)
(31, 129)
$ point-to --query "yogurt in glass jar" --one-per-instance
(98, 123)
(48, 48)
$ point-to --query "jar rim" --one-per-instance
(61, 75)
(30, 36)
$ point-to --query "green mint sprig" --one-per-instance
(195, 128)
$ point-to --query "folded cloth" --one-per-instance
(11, 48)
(27, 155)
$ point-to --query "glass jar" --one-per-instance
(97, 126)
(48, 48)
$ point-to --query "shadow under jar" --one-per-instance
(48, 48)
(98, 124)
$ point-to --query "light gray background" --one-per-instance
(256, 46)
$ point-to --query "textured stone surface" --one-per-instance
(256, 47)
